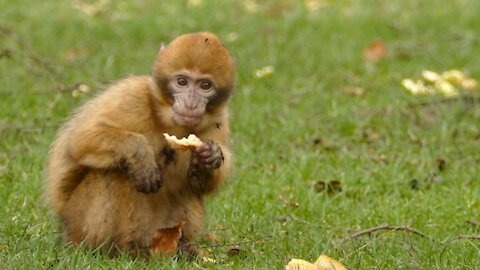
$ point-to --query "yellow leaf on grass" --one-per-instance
(322, 263)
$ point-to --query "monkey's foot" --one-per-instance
(187, 250)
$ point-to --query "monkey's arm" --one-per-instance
(104, 147)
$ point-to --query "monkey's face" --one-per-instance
(195, 74)
(191, 93)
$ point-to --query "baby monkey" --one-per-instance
(111, 177)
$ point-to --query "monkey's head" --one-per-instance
(195, 74)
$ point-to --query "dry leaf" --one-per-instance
(289, 202)
(166, 240)
(331, 187)
(233, 252)
(322, 263)
(355, 91)
(211, 237)
(430, 76)
(441, 163)
(414, 184)
(326, 263)
(263, 72)
(297, 264)
(375, 51)
(449, 83)
(314, 5)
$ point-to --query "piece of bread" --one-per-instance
(189, 143)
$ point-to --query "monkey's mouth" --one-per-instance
(186, 120)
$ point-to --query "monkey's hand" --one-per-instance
(144, 173)
(207, 156)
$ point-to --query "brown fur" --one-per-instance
(87, 185)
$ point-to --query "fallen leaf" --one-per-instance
(326, 263)
(288, 202)
(453, 76)
(322, 263)
(211, 237)
(325, 144)
(233, 251)
(473, 223)
(449, 83)
(469, 84)
(263, 72)
(166, 240)
(445, 88)
(314, 5)
(417, 87)
(375, 51)
(379, 158)
(355, 91)
(282, 219)
(370, 135)
(414, 184)
(441, 163)
(297, 264)
(272, 167)
(194, 3)
(430, 76)
(331, 187)
(208, 260)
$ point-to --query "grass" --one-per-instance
(397, 162)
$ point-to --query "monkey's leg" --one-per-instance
(105, 148)
(106, 211)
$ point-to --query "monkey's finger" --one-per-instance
(212, 162)
(209, 159)
(154, 186)
(205, 154)
(202, 148)
(157, 182)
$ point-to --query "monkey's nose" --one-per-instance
(191, 105)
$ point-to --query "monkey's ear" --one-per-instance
(162, 46)
(234, 60)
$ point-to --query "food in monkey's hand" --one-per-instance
(165, 241)
(189, 143)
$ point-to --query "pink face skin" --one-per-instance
(191, 92)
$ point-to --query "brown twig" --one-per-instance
(473, 223)
(387, 227)
(463, 237)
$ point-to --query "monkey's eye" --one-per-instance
(206, 85)
(182, 81)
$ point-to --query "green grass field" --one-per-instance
(411, 162)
